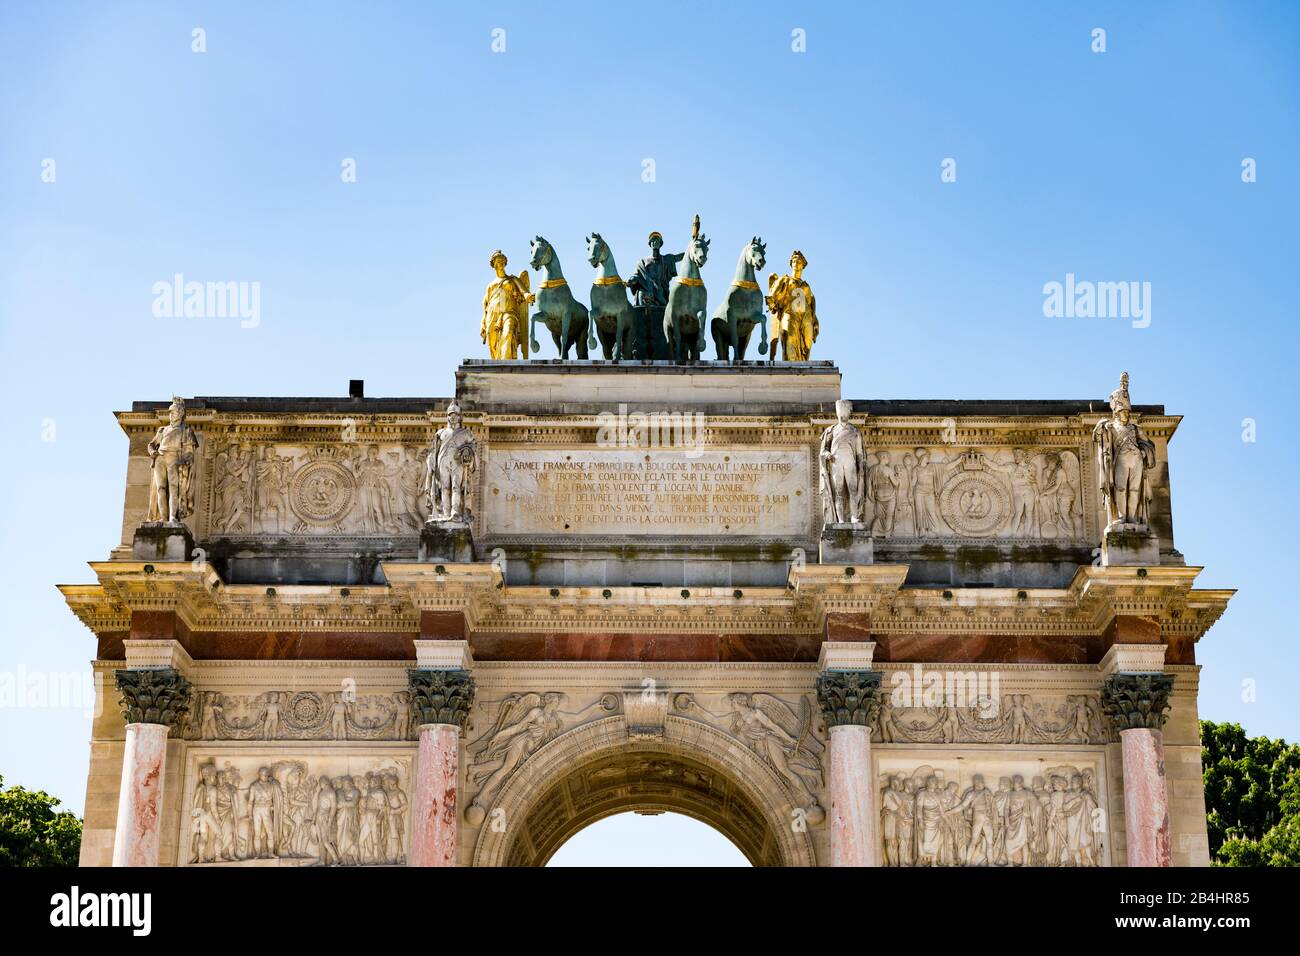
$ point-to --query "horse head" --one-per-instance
(597, 250)
(698, 250)
(541, 253)
(756, 254)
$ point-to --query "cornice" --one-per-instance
(204, 603)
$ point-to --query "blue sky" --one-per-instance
(225, 166)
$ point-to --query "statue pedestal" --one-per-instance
(162, 541)
(1129, 545)
(451, 542)
(845, 543)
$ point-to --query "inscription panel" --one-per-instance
(653, 491)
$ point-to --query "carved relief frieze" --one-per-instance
(1016, 719)
(994, 492)
(313, 810)
(299, 715)
(992, 812)
(277, 488)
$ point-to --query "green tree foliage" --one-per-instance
(33, 832)
(1252, 797)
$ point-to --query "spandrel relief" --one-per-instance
(308, 489)
(992, 812)
(781, 732)
(322, 811)
(523, 724)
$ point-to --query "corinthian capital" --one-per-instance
(440, 697)
(1137, 700)
(153, 695)
(849, 697)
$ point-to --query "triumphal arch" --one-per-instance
(456, 630)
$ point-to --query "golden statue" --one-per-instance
(794, 312)
(505, 311)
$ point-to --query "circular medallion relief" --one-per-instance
(321, 492)
(305, 710)
(973, 504)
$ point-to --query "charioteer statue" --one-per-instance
(649, 287)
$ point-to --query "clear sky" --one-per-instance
(226, 165)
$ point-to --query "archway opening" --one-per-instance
(645, 778)
(648, 838)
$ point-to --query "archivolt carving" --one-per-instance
(701, 747)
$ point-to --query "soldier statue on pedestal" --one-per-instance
(649, 287)
(171, 491)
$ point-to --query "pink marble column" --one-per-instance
(153, 699)
(1146, 797)
(1136, 704)
(849, 700)
(434, 823)
(440, 703)
(139, 805)
(853, 811)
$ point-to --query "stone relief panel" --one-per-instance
(524, 723)
(781, 732)
(992, 811)
(941, 492)
(313, 489)
(298, 715)
(1018, 719)
(319, 810)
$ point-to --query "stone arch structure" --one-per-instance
(600, 769)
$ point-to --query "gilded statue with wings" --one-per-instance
(793, 308)
(505, 311)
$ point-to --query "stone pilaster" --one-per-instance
(849, 701)
(153, 699)
(1136, 704)
(440, 704)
